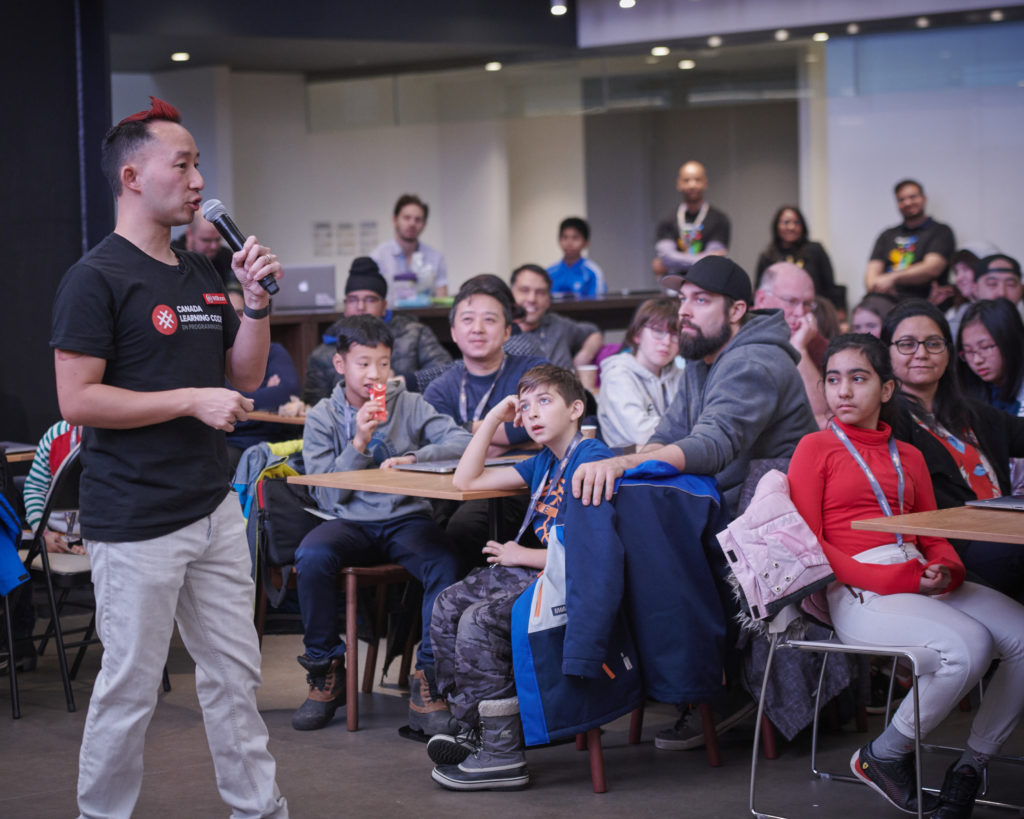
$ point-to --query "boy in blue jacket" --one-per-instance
(471, 625)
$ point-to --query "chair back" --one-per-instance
(63, 494)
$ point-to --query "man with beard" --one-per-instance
(741, 397)
(415, 272)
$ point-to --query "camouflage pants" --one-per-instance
(471, 634)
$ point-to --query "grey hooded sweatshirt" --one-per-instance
(750, 404)
(633, 399)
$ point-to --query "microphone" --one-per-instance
(215, 213)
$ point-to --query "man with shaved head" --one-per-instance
(695, 230)
(202, 237)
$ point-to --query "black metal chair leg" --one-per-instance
(15, 702)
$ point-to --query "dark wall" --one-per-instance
(55, 97)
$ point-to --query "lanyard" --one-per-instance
(349, 412)
(535, 497)
(685, 227)
(463, 402)
(875, 486)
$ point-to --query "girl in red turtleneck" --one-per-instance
(910, 592)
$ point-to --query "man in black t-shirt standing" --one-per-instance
(143, 338)
(907, 258)
(695, 230)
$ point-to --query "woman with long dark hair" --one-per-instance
(966, 443)
(791, 243)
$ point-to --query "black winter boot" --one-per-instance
(326, 681)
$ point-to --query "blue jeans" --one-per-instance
(415, 542)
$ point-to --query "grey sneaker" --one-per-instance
(688, 733)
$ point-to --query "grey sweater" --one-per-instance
(413, 427)
(749, 405)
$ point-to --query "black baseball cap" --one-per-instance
(997, 263)
(716, 274)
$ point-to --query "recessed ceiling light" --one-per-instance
(558, 8)
(626, 4)
(660, 51)
(714, 41)
(781, 35)
(852, 28)
(180, 57)
(922, 22)
(687, 65)
(820, 37)
(493, 66)
(996, 15)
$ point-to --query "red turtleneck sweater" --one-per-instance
(830, 491)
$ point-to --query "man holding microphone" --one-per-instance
(143, 338)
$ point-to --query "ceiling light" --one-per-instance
(922, 22)
(781, 35)
(660, 51)
(996, 15)
(626, 4)
(493, 66)
(687, 65)
(714, 41)
(820, 37)
(852, 28)
(558, 8)
(180, 57)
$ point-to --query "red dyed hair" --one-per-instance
(158, 110)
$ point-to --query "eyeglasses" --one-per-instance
(981, 351)
(365, 301)
(908, 345)
(792, 303)
(658, 333)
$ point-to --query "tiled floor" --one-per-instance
(376, 773)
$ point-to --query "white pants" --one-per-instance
(198, 576)
(969, 628)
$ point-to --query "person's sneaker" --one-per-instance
(326, 680)
(894, 779)
(428, 713)
(959, 790)
(688, 732)
(451, 749)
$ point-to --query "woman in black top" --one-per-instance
(790, 244)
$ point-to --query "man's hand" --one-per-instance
(366, 423)
(596, 480)
(220, 408)
(802, 336)
(57, 543)
(398, 460)
(885, 284)
(251, 264)
(935, 580)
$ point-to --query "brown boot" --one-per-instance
(326, 681)
(427, 714)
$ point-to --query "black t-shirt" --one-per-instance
(159, 327)
(813, 258)
(714, 227)
(899, 247)
(221, 262)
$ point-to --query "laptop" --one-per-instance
(303, 288)
(1014, 503)
(447, 467)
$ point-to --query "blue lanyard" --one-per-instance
(535, 497)
(875, 486)
(463, 403)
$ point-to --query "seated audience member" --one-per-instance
(967, 444)
(481, 320)
(416, 346)
(906, 259)
(991, 365)
(55, 445)
(567, 343)
(786, 287)
(741, 400)
(961, 267)
(908, 593)
(471, 628)
(998, 277)
(637, 386)
(280, 383)
(346, 432)
(415, 271)
(575, 273)
(790, 243)
(829, 325)
(868, 315)
(695, 230)
(203, 237)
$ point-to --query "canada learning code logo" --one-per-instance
(165, 319)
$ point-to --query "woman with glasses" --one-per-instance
(637, 386)
(790, 243)
(967, 444)
(991, 365)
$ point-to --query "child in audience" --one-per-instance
(575, 273)
(350, 430)
(638, 385)
(51, 451)
(903, 590)
(471, 627)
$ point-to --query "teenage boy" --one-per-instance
(575, 273)
(471, 626)
(350, 431)
(481, 322)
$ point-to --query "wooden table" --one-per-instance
(274, 418)
(17, 452)
(958, 523)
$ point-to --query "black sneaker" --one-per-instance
(959, 790)
(895, 779)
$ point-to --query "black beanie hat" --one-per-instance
(364, 274)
